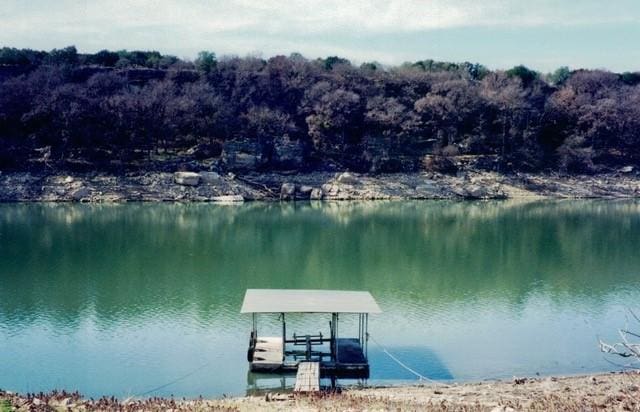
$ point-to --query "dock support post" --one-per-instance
(337, 346)
(284, 335)
(254, 327)
(366, 332)
(332, 343)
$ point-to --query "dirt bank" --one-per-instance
(612, 391)
(211, 186)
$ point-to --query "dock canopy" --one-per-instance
(308, 301)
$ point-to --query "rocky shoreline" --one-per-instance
(210, 186)
(611, 391)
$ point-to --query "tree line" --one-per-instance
(125, 109)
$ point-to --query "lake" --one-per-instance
(122, 299)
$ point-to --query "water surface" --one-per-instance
(122, 299)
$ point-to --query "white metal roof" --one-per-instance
(308, 301)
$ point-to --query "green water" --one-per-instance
(121, 299)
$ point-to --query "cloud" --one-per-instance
(352, 28)
(304, 16)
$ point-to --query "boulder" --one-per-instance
(316, 194)
(288, 191)
(288, 154)
(477, 192)
(245, 161)
(205, 150)
(241, 155)
(347, 178)
(80, 193)
(459, 191)
(186, 178)
(427, 188)
(305, 190)
(228, 199)
(330, 189)
(210, 177)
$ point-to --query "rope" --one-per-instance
(399, 362)
(199, 368)
(185, 376)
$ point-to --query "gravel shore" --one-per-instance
(611, 391)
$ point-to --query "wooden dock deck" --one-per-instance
(308, 377)
(268, 352)
(351, 362)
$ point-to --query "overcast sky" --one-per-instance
(542, 34)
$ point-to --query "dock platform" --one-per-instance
(308, 377)
(311, 356)
(268, 353)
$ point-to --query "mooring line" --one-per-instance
(399, 362)
(185, 376)
(199, 368)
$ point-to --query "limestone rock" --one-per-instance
(241, 155)
(288, 191)
(458, 191)
(81, 193)
(228, 199)
(288, 154)
(477, 192)
(428, 188)
(245, 161)
(210, 177)
(305, 189)
(316, 194)
(186, 178)
(347, 178)
(330, 189)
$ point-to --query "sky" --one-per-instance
(541, 34)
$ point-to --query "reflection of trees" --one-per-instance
(137, 260)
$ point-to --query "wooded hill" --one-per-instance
(115, 111)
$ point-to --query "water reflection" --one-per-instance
(148, 290)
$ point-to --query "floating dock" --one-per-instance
(310, 356)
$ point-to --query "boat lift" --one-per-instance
(310, 354)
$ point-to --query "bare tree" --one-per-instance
(628, 347)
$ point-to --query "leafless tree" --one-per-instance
(628, 347)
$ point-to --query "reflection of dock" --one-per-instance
(310, 356)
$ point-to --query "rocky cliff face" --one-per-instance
(208, 186)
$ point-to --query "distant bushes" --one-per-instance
(144, 109)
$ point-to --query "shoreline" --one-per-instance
(611, 391)
(207, 186)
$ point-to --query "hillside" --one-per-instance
(117, 112)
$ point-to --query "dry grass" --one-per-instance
(610, 392)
